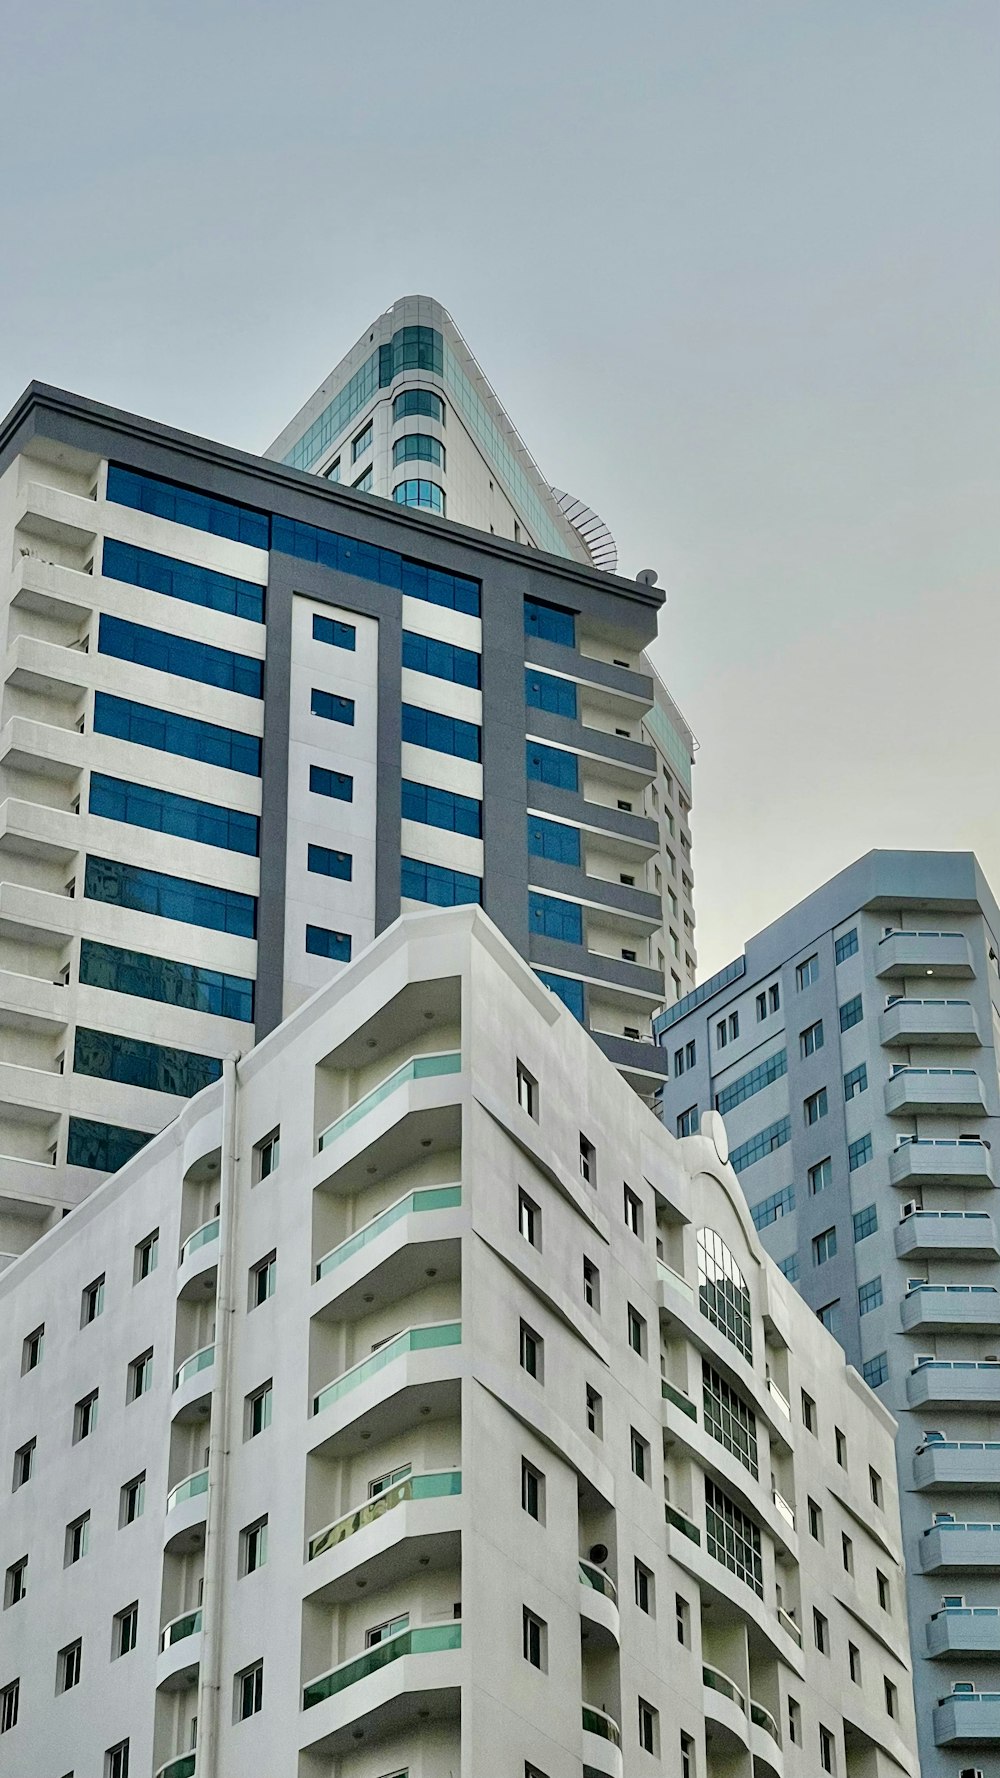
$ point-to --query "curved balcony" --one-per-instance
(424, 1067)
(599, 1607)
(422, 1372)
(726, 1722)
(954, 1382)
(905, 952)
(196, 1272)
(186, 1514)
(414, 1674)
(929, 1308)
(954, 1544)
(934, 1092)
(940, 1160)
(182, 1766)
(430, 1485)
(193, 1384)
(765, 1742)
(946, 1234)
(960, 1463)
(964, 1632)
(180, 1652)
(967, 1719)
(602, 1743)
(951, 1022)
(428, 1197)
(390, 1538)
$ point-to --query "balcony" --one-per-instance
(193, 1385)
(765, 1742)
(951, 1022)
(958, 1382)
(947, 1234)
(186, 1514)
(964, 1632)
(939, 954)
(38, 832)
(942, 1464)
(599, 1607)
(967, 1719)
(934, 1092)
(429, 1485)
(955, 1544)
(416, 1068)
(63, 594)
(932, 1308)
(56, 515)
(408, 1677)
(182, 1766)
(413, 1339)
(431, 1197)
(602, 1743)
(727, 1724)
(416, 1373)
(180, 1652)
(199, 1262)
(954, 1160)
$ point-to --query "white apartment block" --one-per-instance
(415, 1404)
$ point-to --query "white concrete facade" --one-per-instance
(469, 1414)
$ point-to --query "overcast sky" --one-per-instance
(731, 265)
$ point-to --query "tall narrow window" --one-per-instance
(531, 1349)
(125, 1631)
(69, 1663)
(532, 1490)
(249, 1691)
(527, 1091)
(140, 1376)
(533, 1639)
(529, 1219)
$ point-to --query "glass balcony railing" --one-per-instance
(413, 1339)
(953, 1289)
(417, 1068)
(967, 1611)
(961, 1525)
(764, 1720)
(779, 1396)
(901, 1068)
(596, 1722)
(592, 1576)
(941, 1141)
(679, 1399)
(188, 1488)
(680, 1523)
(429, 1197)
(181, 1767)
(789, 1625)
(209, 1231)
(910, 1000)
(970, 1697)
(187, 1625)
(947, 1216)
(430, 1486)
(719, 1682)
(432, 1639)
(956, 1364)
(199, 1361)
(912, 932)
(961, 1444)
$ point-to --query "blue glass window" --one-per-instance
(753, 1082)
(435, 883)
(444, 734)
(789, 1268)
(566, 989)
(552, 765)
(177, 654)
(365, 481)
(349, 556)
(554, 918)
(321, 942)
(418, 446)
(543, 691)
(203, 512)
(413, 348)
(168, 732)
(324, 782)
(442, 808)
(553, 839)
(164, 811)
(859, 1152)
(419, 493)
(161, 978)
(856, 1081)
(455, 592)
(865, 1222)
(846, 945)
(870, 1296)
(105, 1147)
(553, 623)
(851, 1013)
(171, 898)
(765, 1142)
(133, 1062)
(362, 443)
(418, 401)
(772, 1208)
(325, 862)
(332, 707)
(687, 1122)
(334, 631)
(183, 580)
(443, 660)
(876, 1370)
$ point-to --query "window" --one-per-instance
(870, 1296)
(722, 1292)
(332, 706)
(820, 1176)
(682, 1620)
(815, 1517)
(125, 1630)
(534, 1634)
(846, 945)
(85, 1417)
(773, 1207)
(31, 1349)
(728, 1419)
(334, 632)
(828, 1316)
(205, 512)
(865, 1222)
(636, 1331)
(821, 1632)
(644, 1588)
(441, 660)
(765, 1142)
(826, 1749)
(552, 623)
(9, 1701)
(189, 985)
(131, 1060)
(532, 1491)
(24, 1463)
(77, 1540)
(529, 1219)
(170, 898)
(380, 1484)
(249, 1691)
(734, 1025)
(15, 1583)
(815, 1106)
(640, 1455)
(789, 1268)
(553, 839)
(441, 734)
(362, 443)
(437, 884)
(566, 989)
(146, 1255)
(851, 1013)
(424, 494)
(418, 401)
(591, 1285)
(856, 1081)
(527, 1091)
(68, 1665)
(753, 1082)
(859, 1152)
(446, 809)
(808, 1413)
(266, 1155)
(687, 1122)
(164, 811)
(840, 1447)
(732, 1538)
(807, 972)
(811, 1039)
(551, 765)
(321, 941)
(649, 1727)
(588, 1161)
(633, 1212)
(140, 1375)
(824, 1246)
(687, 1756)
(182, 580)
(761, 1004)
(875, 1371)
(258, 1410)
(116, 1761)
(263, 1279)
(253, 1546)
(132, 1500)
(882, 1587)
(338, 785)
(721, 1038)
(165, 731)
(875, 1487)
(794, 1722)
(595, 1413)
(774, 997)
(543, 691)
(530, 1351)
(92, 1303)
(180, 656)
(891, 1698)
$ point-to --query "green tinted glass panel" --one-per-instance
(433, 1197)
(416, 1487)
(415, 1339)
(432, 1639)
(417, 1068)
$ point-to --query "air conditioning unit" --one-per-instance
(971, 1772)
(910, 1208)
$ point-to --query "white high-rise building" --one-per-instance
(416, 1404)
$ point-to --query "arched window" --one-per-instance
(722, 1292)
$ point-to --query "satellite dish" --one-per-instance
(647, 577)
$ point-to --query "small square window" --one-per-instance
(125, 1630)
(588, 1161)
(807, 972)
(10, 1698)
(253, 1546)
(258, 1410)
(69, 1661)
(77, 1540)
(132, 1500)
(146, 1255)
(821, 1632)
(31, 1350)
(636, 1331)
(633, 1211)
(249, 1691)
(15, 1583)
(534, 1635)
(24, 1463)
(140, 1375)
(529, 1219)
(532, 1491)
(85, 1417)
(824, 1246)
(645, 1586)
(820, 1176)
(640, 1456)
(811, 1039)
(92, 1302)
(116, 1761)
(531, 1347)
(687, 1122)
(527, 1091)
(263, 1279)
(828, 1316)
(815, 1107)
(266, 1156)
(649, 1727)
(591, 1285)
(595, 1413)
